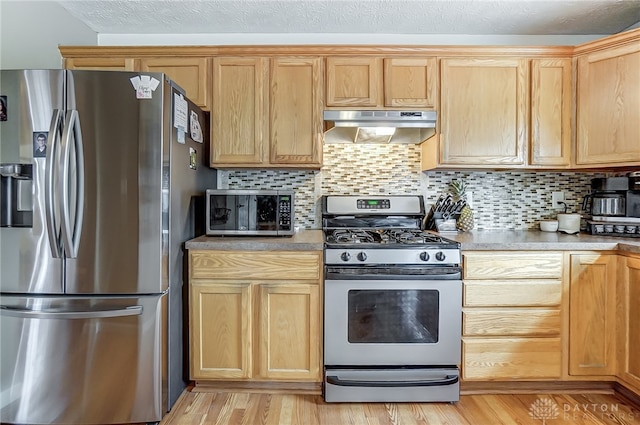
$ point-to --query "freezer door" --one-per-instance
(31, 260)
(116, 153)
(81, 361)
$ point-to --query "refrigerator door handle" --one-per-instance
(51, 218)
(72, 137)
(25, 313)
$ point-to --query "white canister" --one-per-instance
(569, 223)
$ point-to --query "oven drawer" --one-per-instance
(496, 293)
(392, 385)
(505, 322)
(518, 265)
(246, 265)
(511, 358)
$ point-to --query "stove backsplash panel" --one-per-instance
(500, 199)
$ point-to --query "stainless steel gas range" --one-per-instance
(392, 303)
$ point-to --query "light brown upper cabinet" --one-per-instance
(375, 82)
(503, 113)
(551, 109)
(354, 81)
(101, 63)
(608, 106)
(295, 110)
(483, 112)
(267, 112)
(410, 82)
(193, 74)
(239, 111)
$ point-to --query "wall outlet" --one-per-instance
(557, 197)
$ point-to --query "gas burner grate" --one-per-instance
(348, 236)
(409, 236)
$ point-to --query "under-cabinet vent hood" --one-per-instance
(379, 126)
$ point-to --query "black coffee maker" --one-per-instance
(608, 197)
(614, 206)
(633, 195)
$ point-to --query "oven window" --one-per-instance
(393, 316)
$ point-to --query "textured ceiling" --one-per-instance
(508, 17)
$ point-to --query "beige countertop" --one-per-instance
(536, 240)
(477, 240)
(304, 240)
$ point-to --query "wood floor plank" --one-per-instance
(222, 408)
(470, 409)
(306, 411)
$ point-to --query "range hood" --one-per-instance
(379, 126)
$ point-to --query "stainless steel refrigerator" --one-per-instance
(101, 174)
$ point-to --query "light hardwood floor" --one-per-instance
(225, 408)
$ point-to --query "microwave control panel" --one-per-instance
(284, 212)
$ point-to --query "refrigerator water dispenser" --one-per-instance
(16, 200)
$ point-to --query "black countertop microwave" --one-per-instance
(249, 212)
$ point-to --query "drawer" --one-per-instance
(529, 265)
(511, 358)
(247, 265)
(511, 322)
(497, 293)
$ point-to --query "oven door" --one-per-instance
(395, 322)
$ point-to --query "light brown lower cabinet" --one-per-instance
(512, 316)
(592, 314)
(551, 316)
(492, 359)
(628, 308)
(255, 315)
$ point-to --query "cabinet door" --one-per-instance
(193, 74)
(551, 112)
(239, 118)
(483, 111)
(354, 81)
(608, 107)
(410, 82)
(289, 338)
(629, 325)
(592, 315)
(101, 64)
(220, 316)
(296, 123)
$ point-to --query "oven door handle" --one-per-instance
(448, 380)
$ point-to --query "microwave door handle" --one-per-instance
(72, 138)
(25, 313)
(448, 380)
(51, 174)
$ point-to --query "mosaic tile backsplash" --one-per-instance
(500, 199)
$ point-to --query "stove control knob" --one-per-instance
(362, 256)
(424, 256)
(345, 256)
(440, 256)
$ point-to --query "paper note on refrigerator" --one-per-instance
(144, 85)
(180, 111)
(194, 127)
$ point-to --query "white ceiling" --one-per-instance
(482, 17)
